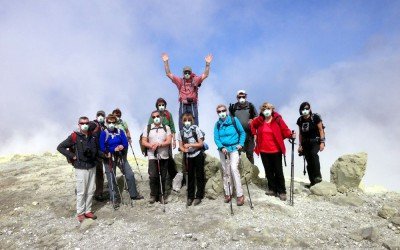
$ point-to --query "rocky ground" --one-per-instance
(37, 210)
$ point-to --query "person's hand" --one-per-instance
(321, 146)
(300, 149)
(119, 148)
(74, 158)
(224, 151)
(208, 58)
(108, 155)
(154, 146)
(164, 57)
(293, 135)
(129, 140)
(239, 147)
(187, 145)
(185, 150)
(173, 144)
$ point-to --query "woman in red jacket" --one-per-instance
(271, 130)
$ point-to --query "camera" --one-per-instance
(88, 153)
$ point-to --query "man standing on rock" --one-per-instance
(82, 149)
(245, 112)
(188, 87)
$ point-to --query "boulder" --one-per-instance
(349, 200)
(348, 170)
(387, 211)
(395, 220)
(324, 189)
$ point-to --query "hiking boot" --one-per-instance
(282, 197)
(138, 197)
(152, 199)
(90, 215)
(165, 199)
(270, 193)
(189, 202)
(240, 200)
(80, 217)
(227, 198)
(317, 180)
(196, 202)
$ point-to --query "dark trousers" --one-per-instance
(249, 147)
(188, 108)
(99, 178)
(310, 152)
(155, 189)
(196, 176)
(171, 165)
(273, 171)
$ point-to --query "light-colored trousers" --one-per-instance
(85, 187)
(229, 171)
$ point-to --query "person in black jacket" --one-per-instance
(81, 148)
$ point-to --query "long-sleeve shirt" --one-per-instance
(114, 139)
(227, 136)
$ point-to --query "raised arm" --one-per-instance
(208, 60)
(165, 58)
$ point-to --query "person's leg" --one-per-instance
(181, 112)
(278, 171)
(224, 172)
(315, 163)
(200, 175)
(195, 113)
(249, 147)
(153, 178)
(164, 170)
(91, 187)
(80, 191)
(112, 185)
(99, 179)
(191, 177)
(310, 164)
(234, 164)
(130, 180)
(269, 174)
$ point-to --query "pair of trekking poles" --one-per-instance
(227, 161)
(116, 160)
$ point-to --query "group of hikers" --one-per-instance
(102, 145)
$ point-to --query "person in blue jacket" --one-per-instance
(113, 142)
(229, 136)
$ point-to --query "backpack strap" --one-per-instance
(234, 124)
(108, 134)
(73, 137)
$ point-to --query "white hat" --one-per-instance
(241, 92)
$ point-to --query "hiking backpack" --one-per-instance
(142, 147)
(194, 135)
(72, 148)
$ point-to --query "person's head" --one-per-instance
(267, 109)
(100, 116)
(221, 111)
(187, 72)
(111, 121)
(187, 119)
(155, 115)
(305, 109)
(83, 124)
(117, 112)
(161, 104)
(241, 96)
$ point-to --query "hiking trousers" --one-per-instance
(188, 108)
(85, 186)
(310, 152)
(249, 147)
(196, 176)
(155, 189)
(99, 178)
(230, 171)
(111, 177)
(274, 171)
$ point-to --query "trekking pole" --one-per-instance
(245, 179)
(187, 177)
(291, 199)
(110, 168)
(134, 156)
(229, 181)
(159, 174)
(115, 178)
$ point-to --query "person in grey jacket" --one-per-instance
(82, 150)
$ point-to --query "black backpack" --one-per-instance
(142, 147)
(194, 135)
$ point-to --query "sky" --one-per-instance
(64, 59)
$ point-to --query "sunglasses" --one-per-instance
(111, 122)
(84, 123)
(187, 120)
(241, 96)
(219, 111)
(307, 108)
(187, 72)
(154, 116)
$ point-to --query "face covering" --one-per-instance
(161, 107)
(100, 119)
(267, 112)
(157, 120)
(222, 115)
(111, 126)
(187, 76)
(305, 112)
(187, 124)
(84, 127)
(242, 100)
